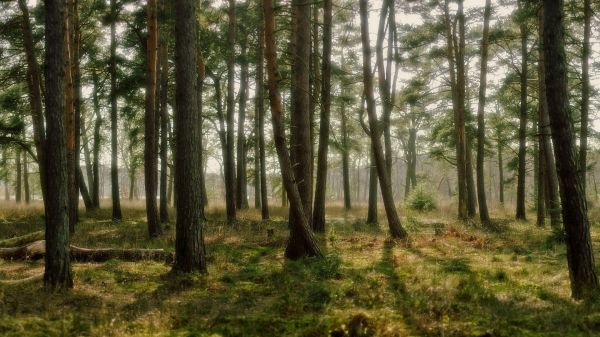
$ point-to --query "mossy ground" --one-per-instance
(448, 279)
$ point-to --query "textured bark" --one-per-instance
(150, 160)
(372, 203)
(520, 211)
(483, 210)
(228, 160)
(114, 164)
(164, 132)
(585, 91)
(72, 195)
(95, 182)
(77, 94)
(190, 255)
(199, 91)
(540, 182)
(57, 272)
(318, 221)
(580, 258)
(302, 242)
(260, 111)
(242, 185)
(396, 230)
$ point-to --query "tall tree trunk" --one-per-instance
(580, 258)
(318, 221)
(520, 211)
(164, 124)
(242, 185)
(35, 93)
(26, 178)
(132, 186)
(301, 238)
(72, 191)
(585, 91)
(345, 159)
(18, 180)
(95, 182)
(228, 160)
(500, 173)
(260, 111)
(301, 143)
(57, 272)
(372, 202)
(540, 180)
(150, 162)
(85, 194)
(77, 94)
(483, 210)
(396, 230)
(190, 254)
(114, 163)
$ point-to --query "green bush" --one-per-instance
(421, 199)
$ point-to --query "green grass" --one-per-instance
(448, 279)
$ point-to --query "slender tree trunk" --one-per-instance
(345, 159)
(585, 92)
(520, 211)
(132, 186)
(242, 185)
(318, 221)
(72, 191)
(396, 230)
(372, 203)
(26, 178)
(18, 180)
(95, 182)
(164, 123)
(190, 254)
(260, 111)
(229, 163)
(580, 258)
(85, 194)
(302, 242)
(540, 181)
(150, 162)
(77, 94)
(114, 164)
(483, 210)
(500, 173)
(57, 272)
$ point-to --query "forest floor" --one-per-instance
(447, 279)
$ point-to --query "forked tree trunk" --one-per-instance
(301, 237)
(580, 258)
(396, 230)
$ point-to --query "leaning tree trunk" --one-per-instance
(580, 258)
(150, 162)
(483, 210)
(520, 211)
(190, 253)
(318, 221)
(57, 272)
(396, 229)
(299, 229)
(114, 163)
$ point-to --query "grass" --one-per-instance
(448, 279)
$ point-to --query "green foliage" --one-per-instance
(421, 199)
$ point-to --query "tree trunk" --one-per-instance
(95, 182)
(540, 181)
(85, 194)
(260, 111)
(483, 210)
(114, 163)
(242, 185)
(72, 190)
(302, 242)
(580, 258)
(372, 203)
(228, 160)
(18, 180)
(520, 211)
(500, 173)
(26, 178)
(318, 222)
(164, 124)
(190, 254)
(585, 92)
(57, 272)
(396, 230)
(345, 159)
(150, 161)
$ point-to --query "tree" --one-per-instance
(580, 258)
(190, 254)
(318, 221)
(520, 211)
(260, 112)
(396, 230)
(241, 184)
(585, 91)
(228, 160)
(57, 272)
(302, 242)
(164, 123)
(483, 211)
(114, 163)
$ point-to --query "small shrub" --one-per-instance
(421, 199)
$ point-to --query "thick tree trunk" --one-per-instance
(520, 211)
(396, 230)
(242, 185)
(483, 210)
(57, 272)
(114, 163)
(72, 191)
(318, 221)
(260, 111)
(302, 242)
(585, 91)
(164, 132)
(580, 258)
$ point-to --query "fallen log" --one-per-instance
(37, 249)
(22, 240)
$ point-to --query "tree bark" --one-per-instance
(520, 211)
(242, 185)
(483, 210)
(114, 163)
(372, 202)
(95, 182)
(396, 230)
(318, 222)
(585, 92)
(18, 180)
(57, 272)
(345, 159)
(190, 254)
(26, 178)
(580, 258)
(164, 124)
(85, 194)
(72, 191)
(260, 111)
(302, 242)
